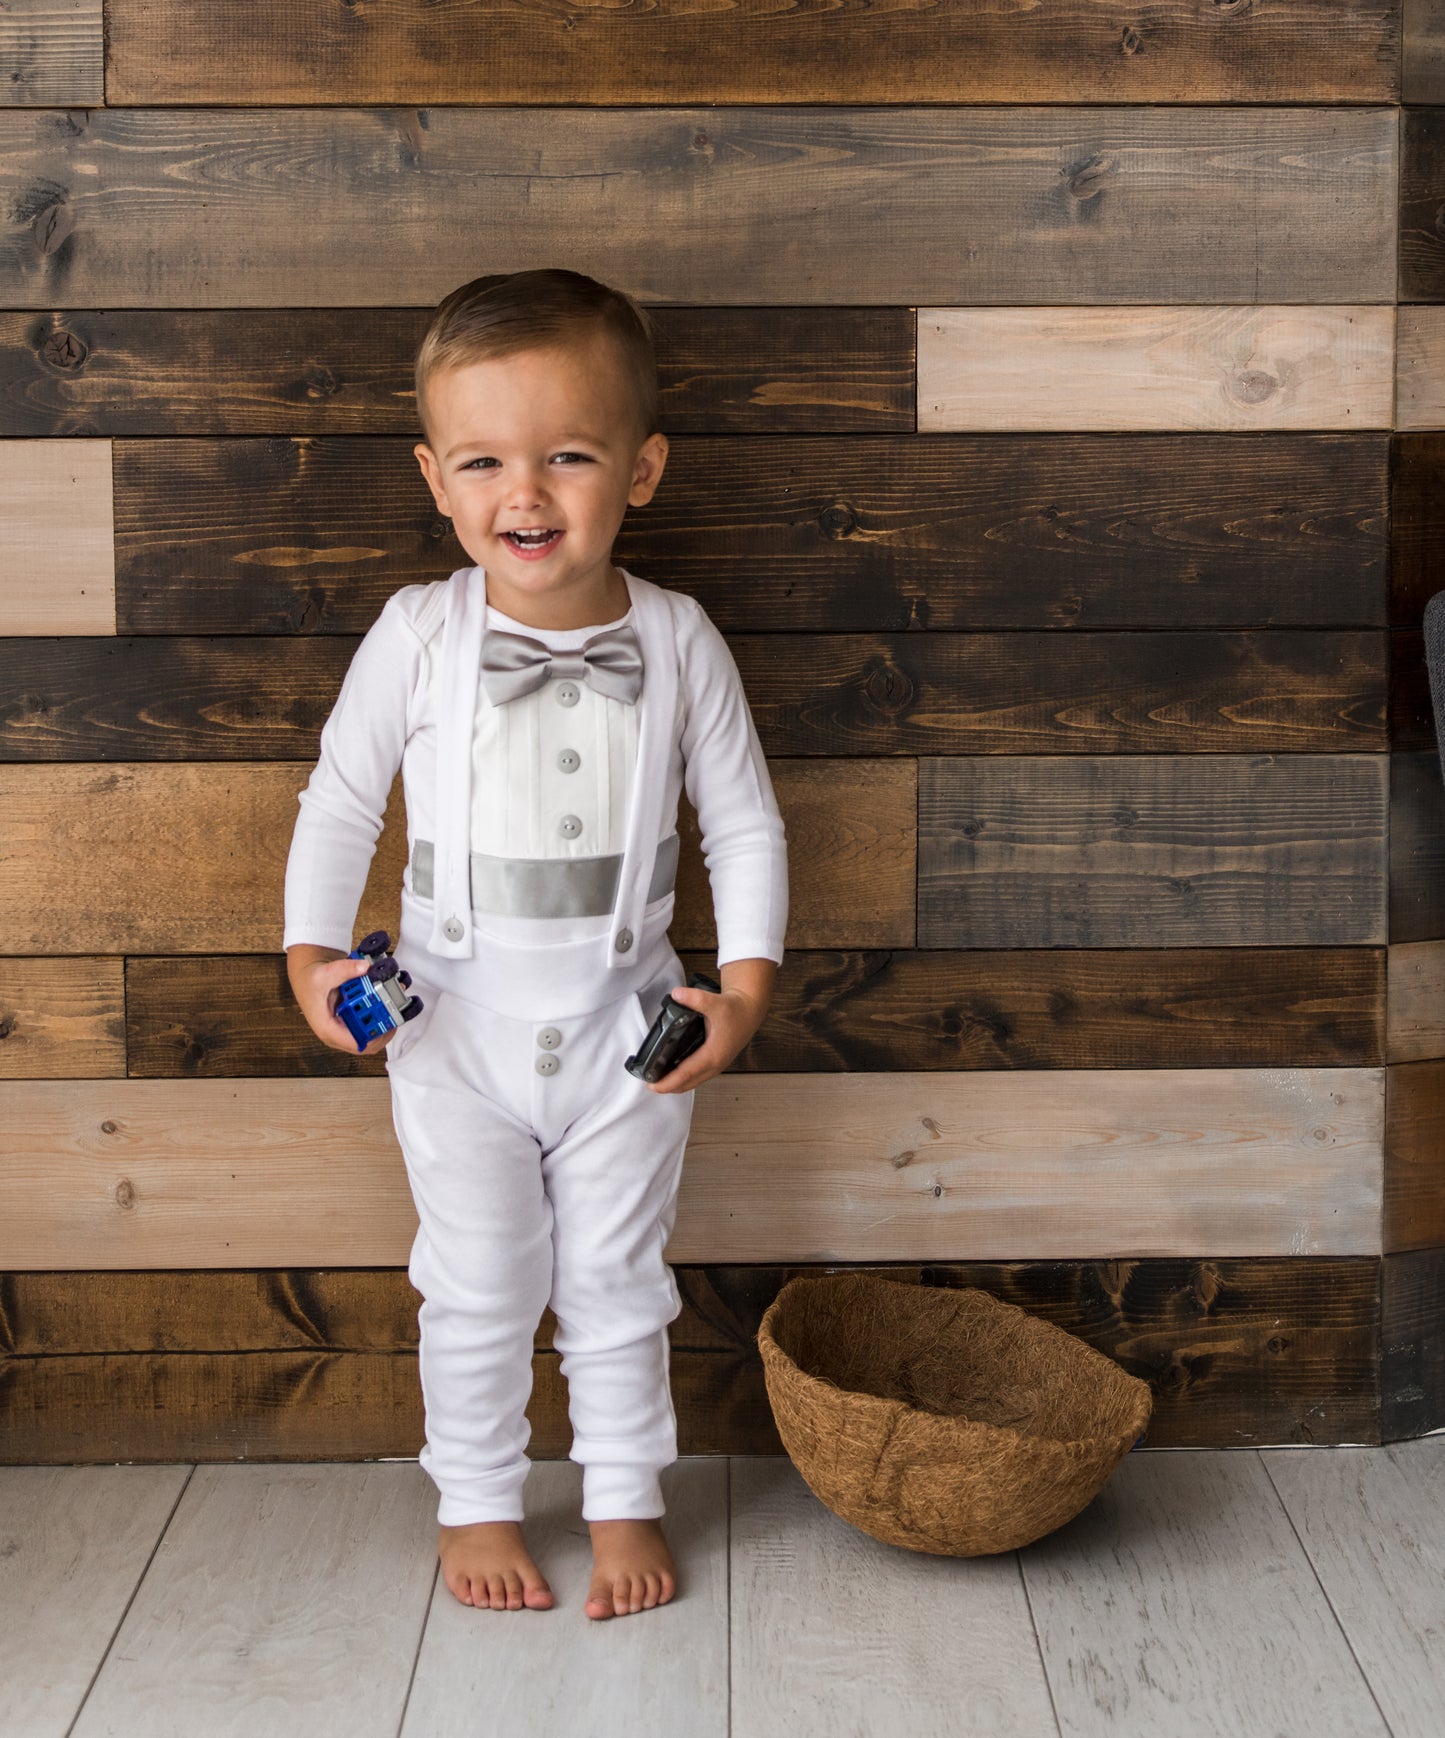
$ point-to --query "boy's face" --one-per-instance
(535, 458)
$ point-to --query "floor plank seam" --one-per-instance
(416, 1655)
(1339, 1621)
(728, 1584)
(1038, 1642)
(139, 1581)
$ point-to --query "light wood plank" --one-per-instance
(301, 207)
(281, 1598)
(1180, 1602)
(782, 1167)
(74, 1542)
(57, 551)
(190, 858)
(52, 52)
(833, 1632)
(559, 1671)
(1154, 369)
(1415, 1001)
(1150, 851)
(1420, 368)
(61, 1019)
(1370, 1520)
(171, 51)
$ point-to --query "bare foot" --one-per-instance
(632, 1568)
(489, 1566)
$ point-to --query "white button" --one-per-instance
(452, 929)
(568, 693)
(624, 940)
(569, 760)
(549, 1037)
(569, 827)
(547, 1065)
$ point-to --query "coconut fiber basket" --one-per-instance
(942, 1420)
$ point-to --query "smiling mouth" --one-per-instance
(533, 542)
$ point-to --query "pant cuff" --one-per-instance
(621, 1493)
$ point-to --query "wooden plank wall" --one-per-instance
(1058, 417)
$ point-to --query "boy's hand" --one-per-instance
(316, 975)
(731, 1017)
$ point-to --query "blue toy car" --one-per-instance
(379, 1002)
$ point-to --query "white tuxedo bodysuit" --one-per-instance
(541, 1170)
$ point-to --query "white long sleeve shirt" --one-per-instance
(524, 782)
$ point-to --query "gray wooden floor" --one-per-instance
(1264, 1595)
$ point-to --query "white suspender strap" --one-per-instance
(456, 712)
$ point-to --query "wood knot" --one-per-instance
(320, 382)
(1088, 178)
(438, 529)
(1254, 386)
(109, 1128)
(7, 1025)
(838, 521)
(1131, 42)
(1124, 816)
(937, 1191)
(125, 1194)
(899, 1160)
(64, 350)
(971, 829)
(888, 689)
(1232, 8)
(52, 227)
(1277, 1345)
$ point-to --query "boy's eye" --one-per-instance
(584, 457)
(474, 464)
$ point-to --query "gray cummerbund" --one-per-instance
(545, 886)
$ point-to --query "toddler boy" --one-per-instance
(546, 710)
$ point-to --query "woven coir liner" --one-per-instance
(942, 1420)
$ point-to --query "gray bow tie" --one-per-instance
(514, 664)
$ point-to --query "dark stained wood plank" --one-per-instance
(1423, 72)
(52, 52)
(874, 1011)
(154, 698)
(1422, 205)
(1236, 1351)
(290, 207)
(1417, 525)
(1414, 1215)
(1412, 1344)
(1417, 848)
(1148, 851)
(165, 51)
(61, 1019)
(318, 371)
(1412, 714)
(961, 532)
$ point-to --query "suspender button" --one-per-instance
(624, 940)
(452, 929)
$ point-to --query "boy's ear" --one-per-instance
(647, 470)
(432, 471)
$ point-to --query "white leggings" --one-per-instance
(534, 1187)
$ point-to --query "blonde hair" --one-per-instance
(505, 312)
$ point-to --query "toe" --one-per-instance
(497, 1592)
(599, 1601)
(667, 1588)
(537, 1596)
(650, 1587)
(513, 1584)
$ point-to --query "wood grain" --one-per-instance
(956, 532)
(1220, 851)
(1412, 712)
(1176, 1547)
(782, 1167)
(1415, 1017)
(53, 52)
(346, 1558)
(1417, 525)
(190, 859)
(1235, 1351)
(1423, 72)
(61, 1019)
(852, 829)
(1420, 368)
(76, 1543)
(228, 698)
(1422, 202)
(880, 1010)
(949, 1649)
(1414, 1215)
(667, 1675)
(57, 561)
(1366, 1518)
(163, 51)
(319, 371)
(1412, 1344)
(1217, 368)
(296, 207)
(1417, 848)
